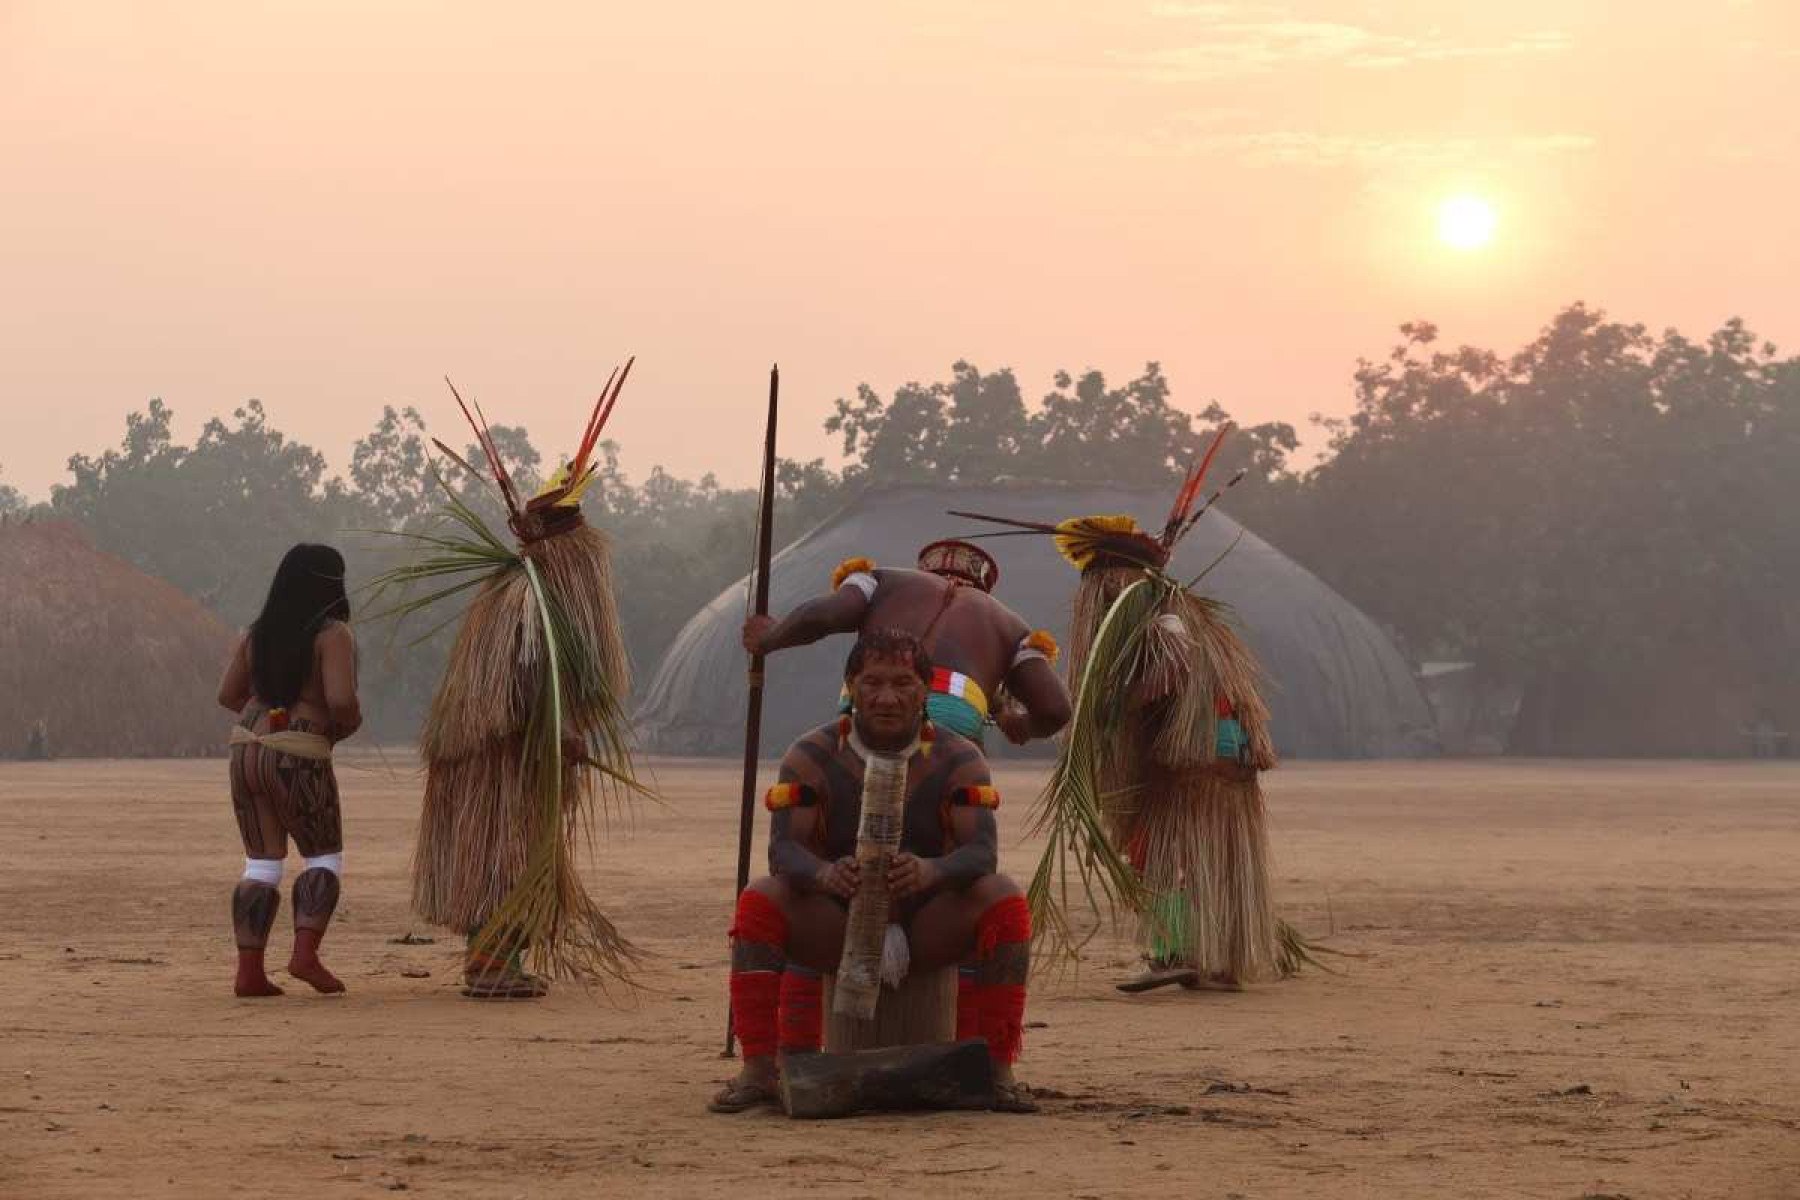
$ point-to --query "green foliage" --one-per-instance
(1585, 500)
(12, 501)
(1580, 505)
(975, 427)
(212, 518)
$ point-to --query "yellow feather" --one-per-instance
(1078, 538)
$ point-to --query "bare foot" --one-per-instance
(313, 971)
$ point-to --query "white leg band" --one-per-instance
(263, 870)
(327, 862)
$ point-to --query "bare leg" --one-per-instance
(253, 908)
(308, 800)
(315, 898)
(256, 898)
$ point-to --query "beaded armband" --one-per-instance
(789, 795)
(976, 796)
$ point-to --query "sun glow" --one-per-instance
(1466, 222)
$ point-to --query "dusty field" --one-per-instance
(1573, 981)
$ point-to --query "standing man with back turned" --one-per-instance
(978, 644)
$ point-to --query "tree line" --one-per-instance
(1578, 503)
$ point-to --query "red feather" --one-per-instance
(489, 450)
(609, 396)
(1190, 489)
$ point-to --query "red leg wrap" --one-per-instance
(968, 1006)
(1003, 1020)
(754, 995)
(756, 976)
(1007, 920)
(999, 1005)
(759, 919)
(802, 1012)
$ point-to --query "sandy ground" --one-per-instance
(1571, 981)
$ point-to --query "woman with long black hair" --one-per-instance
(292, 680)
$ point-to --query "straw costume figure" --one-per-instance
(1157, 793)
(525, 740)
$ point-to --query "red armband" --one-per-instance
(789, 795)
(976, 796)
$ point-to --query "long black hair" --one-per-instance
(308, 591)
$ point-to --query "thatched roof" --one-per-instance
(1338, 687)
(114, 662)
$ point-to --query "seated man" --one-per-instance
(789, 927)
(978, 645)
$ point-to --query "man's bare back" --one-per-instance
(962, 628)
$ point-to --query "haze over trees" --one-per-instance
(1561, 516)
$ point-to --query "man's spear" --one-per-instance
(765, 528)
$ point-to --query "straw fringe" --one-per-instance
(1205, 839)
(1149, 662)
(539, 658)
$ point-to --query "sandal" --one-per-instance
(741, 1095)
(1157, 977)
(504, 985)
(1013, 1097)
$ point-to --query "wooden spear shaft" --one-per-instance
(765, 528)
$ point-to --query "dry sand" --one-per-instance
(1572, 981)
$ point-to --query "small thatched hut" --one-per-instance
(1338, 686)
(105, 660)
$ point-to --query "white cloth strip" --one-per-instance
(896, 956)
(263, 870)
(328, 862)
(863, 582)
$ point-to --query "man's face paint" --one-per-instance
(890, 700)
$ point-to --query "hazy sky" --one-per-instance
(332, 205)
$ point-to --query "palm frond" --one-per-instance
(1072, 810)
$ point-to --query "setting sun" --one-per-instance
(1466, 222)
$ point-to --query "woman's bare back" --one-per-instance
(327, 699)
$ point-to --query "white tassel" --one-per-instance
(896, 956)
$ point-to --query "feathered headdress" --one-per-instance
(1095, 543)
(557, 507)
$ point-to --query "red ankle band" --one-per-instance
(802, 1012)
(1002, 1007)
(754, 995)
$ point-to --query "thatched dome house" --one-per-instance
(112, 662)
(1338, 687)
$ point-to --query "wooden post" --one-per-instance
(921, 1010)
